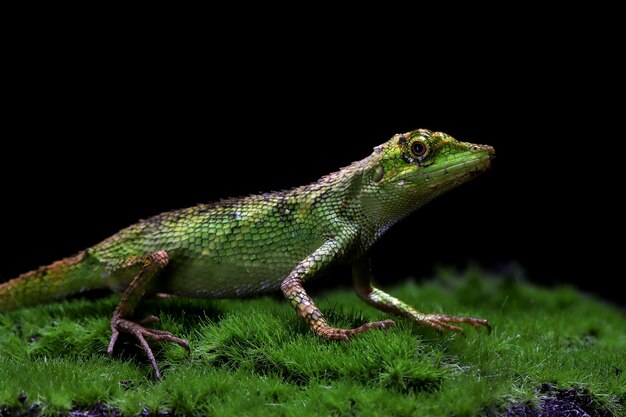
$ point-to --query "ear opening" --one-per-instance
(379, 173)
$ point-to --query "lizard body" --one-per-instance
(252, 245)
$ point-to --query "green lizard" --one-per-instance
(252, 245)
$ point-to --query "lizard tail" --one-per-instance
(50, 283)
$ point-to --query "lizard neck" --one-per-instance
(344, 194)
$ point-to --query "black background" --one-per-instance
(102, 136)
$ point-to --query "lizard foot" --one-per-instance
(440, 322)
(118, 324)
(332, 333)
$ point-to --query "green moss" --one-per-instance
(256, 357)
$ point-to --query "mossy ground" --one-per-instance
(256, 357)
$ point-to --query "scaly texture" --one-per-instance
(252, 245)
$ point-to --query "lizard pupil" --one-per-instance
(418, 148)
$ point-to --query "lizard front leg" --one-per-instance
(144, 269)
(385, 302)
(294, 292)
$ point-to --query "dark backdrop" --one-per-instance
(92, 145)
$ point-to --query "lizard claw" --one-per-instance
(119, 324)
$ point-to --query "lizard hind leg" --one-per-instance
(144, 269)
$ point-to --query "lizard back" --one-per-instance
(235, 247)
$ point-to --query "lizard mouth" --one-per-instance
(464, 169)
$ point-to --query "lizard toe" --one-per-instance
(149, 320)
(332, 333)
(441, 322)
(140, 333)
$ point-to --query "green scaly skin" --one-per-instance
(252, 245)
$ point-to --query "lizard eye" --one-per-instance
(418, 148)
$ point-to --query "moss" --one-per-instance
(255, 357)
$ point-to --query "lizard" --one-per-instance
(252, 245)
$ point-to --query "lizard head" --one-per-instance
(412, 168)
